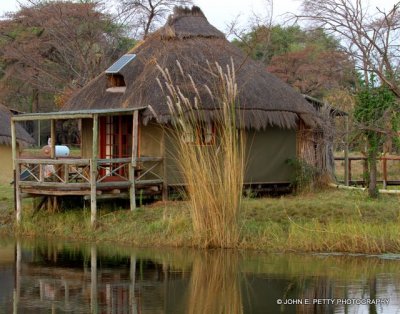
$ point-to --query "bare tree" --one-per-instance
(48, 47)
(370, 38)
(145, 15)
(259, 25)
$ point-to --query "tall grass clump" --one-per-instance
(213, 173)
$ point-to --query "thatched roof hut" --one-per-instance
(23, 138)
(189, 38)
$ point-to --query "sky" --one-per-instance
(221, 12)
(218, 12)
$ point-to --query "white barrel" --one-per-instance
(60, 150)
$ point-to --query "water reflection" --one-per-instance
(215, 284)
(45, 277)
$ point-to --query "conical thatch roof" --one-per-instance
(23, 138)
(189, 39)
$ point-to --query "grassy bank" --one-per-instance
(325, 221)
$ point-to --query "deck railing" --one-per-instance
(74, 173)
(53, 172)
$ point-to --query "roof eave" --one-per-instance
(77, 114)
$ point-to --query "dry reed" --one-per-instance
(213, 172)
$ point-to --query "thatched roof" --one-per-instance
(189, 39)
(23, 138)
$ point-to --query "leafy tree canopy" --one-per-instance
(263, 42)
(309, 60)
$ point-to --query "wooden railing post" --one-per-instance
(384, 170)
(132, 165)
(349, 171)
(93, 173)
(66, 173)
(53, 139)
(16, 172)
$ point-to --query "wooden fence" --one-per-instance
(383, 177)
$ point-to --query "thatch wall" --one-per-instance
(315, 147)
(306, 144)
(189, 39)
(23, 138)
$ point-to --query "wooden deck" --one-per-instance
(55, 176)
(73, 176)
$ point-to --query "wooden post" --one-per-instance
(384, 165)
(66, 173)
(93, 279)
(17, 289)
(93, 172)
(346, 154)
(41, 172)
(135, 128)
(53, 139)
(164, 161)
(66, 294)
(18, 259)
(52, 199)
(132, 299)
(349, 175)
(16, 173)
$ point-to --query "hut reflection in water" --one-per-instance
(68, 278)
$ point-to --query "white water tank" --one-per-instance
(60, 150)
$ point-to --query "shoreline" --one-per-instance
(326, 221)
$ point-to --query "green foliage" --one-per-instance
(304, 175)
(263, 43)
(373, 103)
(311, 61)
(378, 112)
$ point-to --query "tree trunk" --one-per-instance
(372, 188)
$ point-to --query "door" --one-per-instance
(115, 142)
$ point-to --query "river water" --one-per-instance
(55, 277)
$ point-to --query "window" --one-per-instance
(115, 80)
(115, 83)
(201, 135)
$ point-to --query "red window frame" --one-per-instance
(198, 136)
(115, 139)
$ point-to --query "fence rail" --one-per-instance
(383, 168)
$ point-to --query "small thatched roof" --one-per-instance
(23, 138)
(189, 39)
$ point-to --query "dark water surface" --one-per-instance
(48, 277)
